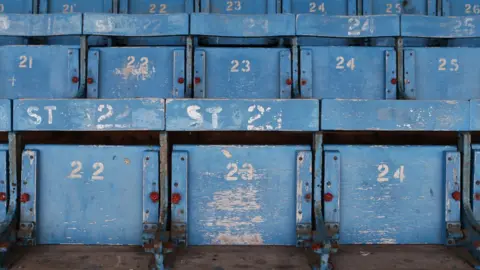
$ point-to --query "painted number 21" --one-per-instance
(383, 171)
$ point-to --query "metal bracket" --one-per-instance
(200, 60)
(93, 74)
(271, 6)
(3, 185)
(366, 7)
(306, 74)
(476, 185)
(123, 6)
(285, 74)
(73, 69)
(304, 198)
(452, 197)
(352, 7)
(189, 69)
(445, 8)
(28, 217)
(409, 73)
(179, 198)
(390, 74)
(151, 196)
(331, 194)
(431, 7)
(179, 74)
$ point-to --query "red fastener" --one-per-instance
(304, 82)
(308, 197)
(393, 81)
(289, 81)
(328, 197)
(456, 195)
(75, 79)
(154, 196)
(24, 197)
(181, 80)
(3, 196)
(197, 80)
(176, 197)
(90, 80)
(316, 247)
(477, 196)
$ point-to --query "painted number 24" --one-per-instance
(383, 171)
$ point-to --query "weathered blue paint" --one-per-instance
(452, 199)
(392, 194)
(28, 188)
(440, 27)
(460, 7)
(4, 181)
(348, 26)
(93, 194)
(242, 115)
(235, 201)
(135, 72)
(5, 115)
(156, 6)
(40, 25)
(27, 72)
(243, 73)
(441, 73)
(348, 72)
(135, 25)
(474, 113)
(71, 6)
(179, 197)
(331, 190)
(304, 177)
(18, 7)
(423, 7)
(268, 25)
(391, 115)
(327, 7)
(240, 7)
(89, 115)
(475, 178)
(151, 205)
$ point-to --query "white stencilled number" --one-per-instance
(246, 172)
(234, 5)
(314, 7)
(341, 61)
(355, 27)
(77, 170)
(398, 8)
(245, 66)
(442, 64)
(469, 9)
(162, 9)
(107, 115)
(131, 62)
(383, 171)
(68, 8)
(2, 8)
(25, 62)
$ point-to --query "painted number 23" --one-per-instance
(383, 171)
(246, 172)
(77, 168)
(245, 67)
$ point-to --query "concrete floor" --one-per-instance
(240, 258)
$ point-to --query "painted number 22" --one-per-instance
(383, 171)
(77, 168)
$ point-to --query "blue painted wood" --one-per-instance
(235, 200)
(136, 72)
(92, 196)
(28, 202)
(151, 177)
(424, 7)
(440, 27)
(460, 7)
(156, 6)
(5, 115)
(327, 7)
(348, 72)
(392, 115)
(4, 181)
(392, 194)
(71, 6)
(331, 187)
(39, 72)
(135, 25)
(243, 73)
(40, 25)
(304, 177)
(17, 6)
(242, 115)
(179, 196)
(221, 25)
(348, 26)
(452, 185)
(475, 177)
(89, 115)
(441, 73)
(239, 7)
(474, 113)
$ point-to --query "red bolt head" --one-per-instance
(456, 195)
(304, 82)
(181, 80)
(308, 197)
(477, 196)
(393, 81)
(24, 197)
(328, 197)
(289, 81)
(316, 247)
(176, 197)
(3, 196)
(197, 80)
(90, 81)
(154, 196)
(75, 79)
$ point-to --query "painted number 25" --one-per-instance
(77, 169)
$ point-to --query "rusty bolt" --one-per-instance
(289, 81)
(456, 195)
(154, 196)
(181, 80)
(304, 82)
(90, 80)
(308, 197)
(3, 196)
(477, 196)
(393, 81)
(25, 197)
(75, 79)
(197, 80)
(476, 244)
(316, 247)
(176, 197)
(328, 197)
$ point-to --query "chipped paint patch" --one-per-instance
(226, 153)
(245, 239)
(238, 199)
(258, 219)
(127, 161)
